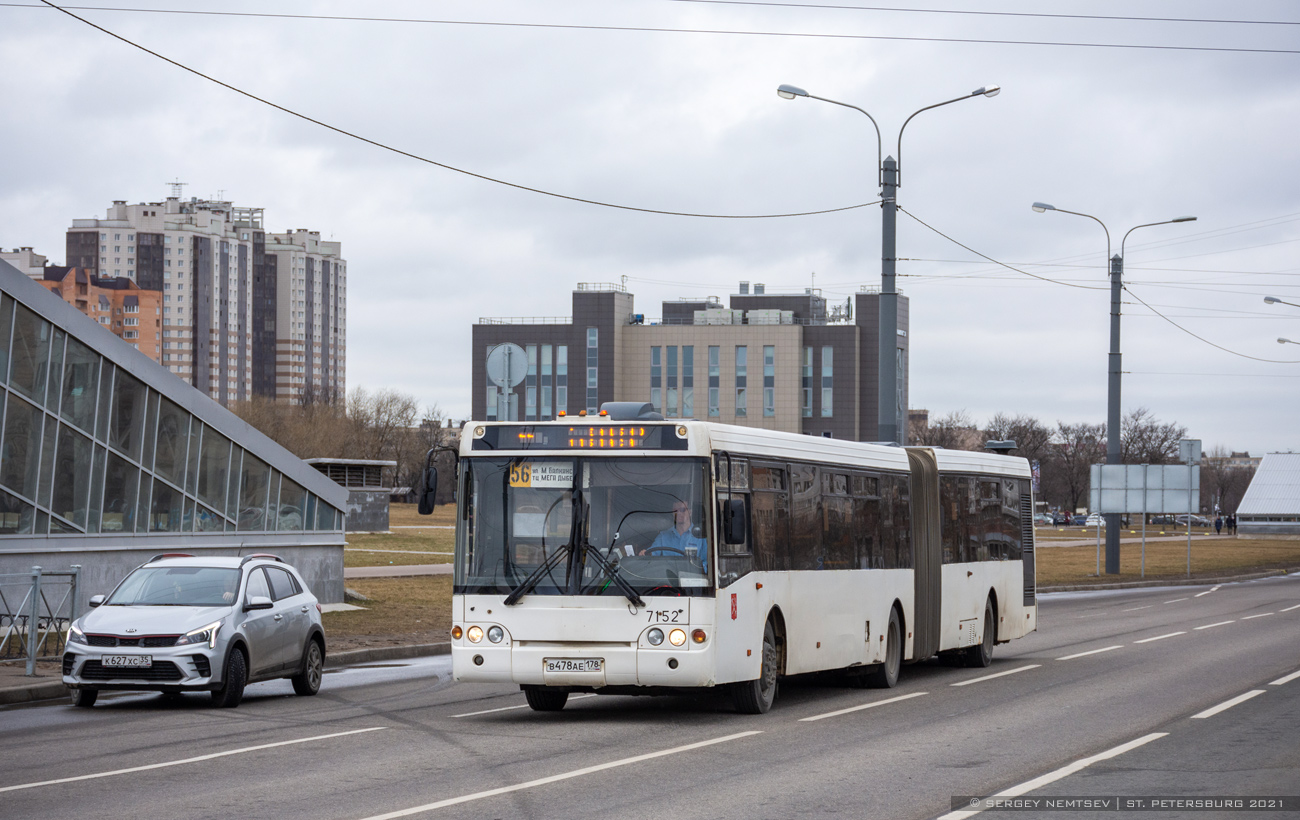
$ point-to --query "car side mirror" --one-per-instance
(733, 521)
(96, 600)
(430, 492)
(258, 602)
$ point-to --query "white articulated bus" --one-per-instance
(630, 556)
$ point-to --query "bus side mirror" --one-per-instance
(733, 521)
(430, 491)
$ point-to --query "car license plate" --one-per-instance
(573, 664)
(128, 661)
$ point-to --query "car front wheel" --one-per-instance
(84, 697)
(232, 690)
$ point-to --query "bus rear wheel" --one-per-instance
(886, 674)
(981, 654)
(755, 697)
(543, 699)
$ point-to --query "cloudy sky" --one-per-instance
(1127, 114)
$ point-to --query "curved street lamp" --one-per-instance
(1282, 341)
(1269, 300)
(889, 413)
(1114, 376)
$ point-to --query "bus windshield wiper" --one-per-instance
(543, 569)
(611, 570)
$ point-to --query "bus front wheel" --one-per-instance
(886, 674)
(543, 699)
(755, 697)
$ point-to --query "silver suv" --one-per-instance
(183, 624)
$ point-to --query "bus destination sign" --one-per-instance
(580, 437)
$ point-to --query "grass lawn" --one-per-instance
(1211, 557)
(400, 611)
(412, 539)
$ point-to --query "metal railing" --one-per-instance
(36, 608)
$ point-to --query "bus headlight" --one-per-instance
(655, 636)
(474, 633)
(495, 634)
(677, 637)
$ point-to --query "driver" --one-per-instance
(680, 536)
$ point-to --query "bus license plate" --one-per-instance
(573, 664)
(128, 661)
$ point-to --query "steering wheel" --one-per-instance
(661, 550)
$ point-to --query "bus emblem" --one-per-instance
(733, 606)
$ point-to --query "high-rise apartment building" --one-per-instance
(244, 312)
(780, 361)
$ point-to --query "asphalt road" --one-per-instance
(403, 740)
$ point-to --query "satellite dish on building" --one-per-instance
(507, 364)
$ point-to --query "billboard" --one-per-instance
(1137, 488)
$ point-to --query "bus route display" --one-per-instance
(603, 437)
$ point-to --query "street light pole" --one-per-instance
(889, 397)
(1269, 300)
(1114, 360)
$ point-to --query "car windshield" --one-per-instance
(177, 586)
(643, 518)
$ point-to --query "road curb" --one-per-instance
(1171, 582)
(385, 653)
(26, 693)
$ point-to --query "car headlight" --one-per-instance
(495, 634)
(204, 634)
(655, 636)
(75, 635)
(474, 633)
(677, 637)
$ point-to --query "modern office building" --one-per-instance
(245, 312)
(107, 459)
(778, 361)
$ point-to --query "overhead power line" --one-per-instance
(443, 165)
(665, 30)
(1205, 340)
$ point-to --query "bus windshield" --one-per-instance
(644, 518)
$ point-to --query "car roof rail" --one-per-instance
(263, 555)
(162, 555)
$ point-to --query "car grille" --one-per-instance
(161, 670)
(150, 640)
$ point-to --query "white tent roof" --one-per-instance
(1275, 489)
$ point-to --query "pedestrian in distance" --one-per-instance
(1218, 524)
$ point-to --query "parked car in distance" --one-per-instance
(1043, 520)
(183, 624)
(1095, 520)
(1079, 520)
(1197, 521)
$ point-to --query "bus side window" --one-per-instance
(837, 522)
(950, 519)
(803, 549)
(866, 521)
(769, 516)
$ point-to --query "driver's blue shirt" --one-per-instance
(682, 541)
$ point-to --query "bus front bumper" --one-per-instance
(584, 665)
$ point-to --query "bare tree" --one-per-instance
(1077, 448)
(1032, 438)
(954, 431)
(1146, 440)
(1223, 483)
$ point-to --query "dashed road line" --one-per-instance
(1176, 600)
(557, 778)
(862, 706)
(516, 706)
(1217, 623)
(1206, 592)
(1091, 652)
(996, 675)
(1286, 679)
(1288, 609)
(1227, 704)
(1136, 608)
(1260, 615)
(1063, 772)
(1160, 637)
(198, 759)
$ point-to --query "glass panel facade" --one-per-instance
(715, 380)
(828, 382)
(742, 380)
(769, 380)
(88, 448)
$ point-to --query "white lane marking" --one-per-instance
(1063, 772)
(1286, 679)
(1091, 652)
(860, 707)
(1136, 608)
(996, 675)
(1206, 592)
(1176, 600)
(556, 778)
(1160, 637)
(1227, 704)
(516, 706)
(1260, 615)
(198, 759)
(1288, 609)
(1211, 626)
